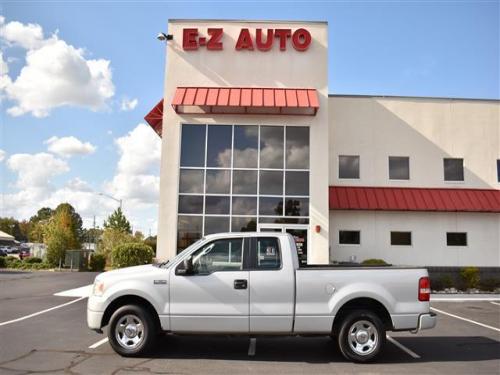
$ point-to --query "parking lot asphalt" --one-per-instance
(43, 333)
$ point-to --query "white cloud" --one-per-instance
(36, 190)
(140, 150)
(35, 170)
(69, 146)
(128, 104)
(28, 36)
(34, 174)
(2, 155)
(56, 74)
(4, 68)
(137, 178)
(136, 182)
(4, 77)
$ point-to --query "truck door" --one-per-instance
(272, 285)
(215, 296)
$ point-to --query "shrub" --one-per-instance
(131, 254)
(446, 281)
(490, 284)
(14, 263)
(470, 276)
(32, 260)
(97, 262)
(3, 262)
(374, 262)
(40, 266)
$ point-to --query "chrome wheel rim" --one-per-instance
(363, 337)
(129, 331)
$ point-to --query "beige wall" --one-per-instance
(428, 237)
(426, 130)
(230, 68)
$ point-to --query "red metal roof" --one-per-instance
(414, 199)
(245, 100)
(155, 117)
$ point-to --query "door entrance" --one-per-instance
(299, 232)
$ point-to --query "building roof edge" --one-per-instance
(175, 20)
(411, 97)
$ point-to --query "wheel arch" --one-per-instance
(129, 299)
(363, 303)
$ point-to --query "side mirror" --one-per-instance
(187, 269)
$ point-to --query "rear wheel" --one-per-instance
(361, 336)
(132, 330)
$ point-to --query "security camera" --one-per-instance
(161, 36)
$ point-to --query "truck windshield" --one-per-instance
(169, 262)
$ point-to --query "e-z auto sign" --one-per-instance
(264, 40)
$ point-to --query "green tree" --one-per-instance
(43, 213)
(138, 235)
(76, 222)
(38, 224)
(60, 236)
(111, 238)
(37, 230)
(117, 220)
(151, 241)
(15, 228)
(92, 235)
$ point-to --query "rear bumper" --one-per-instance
(427, 321)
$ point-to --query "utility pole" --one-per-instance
(94, 235)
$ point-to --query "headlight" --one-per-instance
(98, 289)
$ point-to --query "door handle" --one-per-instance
(240, 284)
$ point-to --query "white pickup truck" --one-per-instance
(252, 284)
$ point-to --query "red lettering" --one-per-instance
(244, 40)
(189, 42)
(214, 42)
(301, 39)
(261, 46)
(283, 34)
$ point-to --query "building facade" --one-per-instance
(251, 140)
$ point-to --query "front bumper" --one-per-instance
(94, 319)
(427, 321)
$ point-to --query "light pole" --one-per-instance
(111, 197)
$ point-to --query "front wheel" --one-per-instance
(361, 336)
(132, 330)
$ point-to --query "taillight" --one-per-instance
(424, 289)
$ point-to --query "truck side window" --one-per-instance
(268, 253)
(219, 255)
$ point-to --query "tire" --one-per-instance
(132, 331)
(361, 336)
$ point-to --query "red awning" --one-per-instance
(155, 117)
(414, 199)
(237, 100)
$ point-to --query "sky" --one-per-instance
(77, 78)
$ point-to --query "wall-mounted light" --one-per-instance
(317, 228)
(163, 36)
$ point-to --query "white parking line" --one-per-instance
(403, 348)
(98, 343)
(465, 319)
(83, 291)
(495, 303)
(252, 346)
(40, 312)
